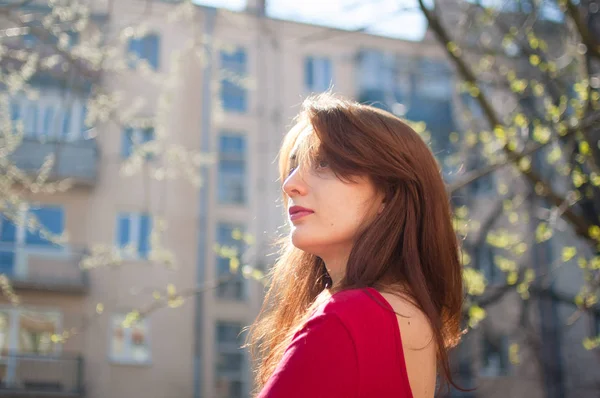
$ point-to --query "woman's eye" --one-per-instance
(322, 164)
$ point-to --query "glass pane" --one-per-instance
(4, 330)
(126, 142)
(36, 330)
(123, 230)
(226, 388)
(129, 344)
(48, 122)
(230, 362)
(66, 123)
(8, 230)
(31, 120)
(309, 72)
(234, 144)
(117, 346)
(144, 237)
(140, 351)
(228, 332)
(51, 220)
(7, 262)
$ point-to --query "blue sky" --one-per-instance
(393, 18)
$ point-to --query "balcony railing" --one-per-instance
(72, 159)
(29, 375)
(48, 269)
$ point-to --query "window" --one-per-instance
(234, 96)
(380, 83)
(48, 121)
(31, 118)
(16, 239)
(145, 48)
(227, 236)
(433, 80)
(231, 361)
(29, 331)
(133, 138)
(129, 343)
(495, 356)
(66, 131)
(15, 111)
(317, 73)
(232, 169)
(133, 234)
(30, 40)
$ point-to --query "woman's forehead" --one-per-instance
(301, 140)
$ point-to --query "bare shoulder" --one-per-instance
(418, 345)
(414, 326)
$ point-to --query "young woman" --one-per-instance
(365, 300)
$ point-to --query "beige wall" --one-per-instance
(275, 50)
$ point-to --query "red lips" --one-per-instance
(297, 212)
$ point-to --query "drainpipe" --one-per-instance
(205, 125)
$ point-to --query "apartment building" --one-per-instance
(219, 82)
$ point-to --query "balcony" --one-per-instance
(28, 375)
(77, 160)
(50, 269)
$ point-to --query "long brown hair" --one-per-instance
(411, 244)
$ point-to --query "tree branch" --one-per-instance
(592, 45)
(580, 225)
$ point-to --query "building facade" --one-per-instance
(212, 81)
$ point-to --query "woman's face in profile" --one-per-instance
(326, 213)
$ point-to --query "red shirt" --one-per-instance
(350, 348)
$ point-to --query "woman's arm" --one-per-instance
(320, 362)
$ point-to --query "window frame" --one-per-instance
(239, 279)
(231, 347)
(21, 249)
(139, 49)
(224, 197)
(239, 102)
(134, 232)
(128, 342)
(318, 73)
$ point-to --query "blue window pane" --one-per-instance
(15, 111)
(147, 135)
(8, 230)
(126, 143)
(134, 48)
(66, 123)
(309, 78)
(32, 117)
(48, 119)
(7, 262)
(231, 188)
(225, 238)
(327, 74)
(144, 237)
(83, 126)
(233, 95)
(51, 219)
(123, 227)
(232, 144)
(224, 234)
(145, 48)
(29, 40)
(151, 46)
(233, 289)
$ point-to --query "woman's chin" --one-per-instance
(301, 240)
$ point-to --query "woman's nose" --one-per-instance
(294, 185)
